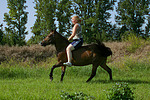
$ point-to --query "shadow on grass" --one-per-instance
(131, 81)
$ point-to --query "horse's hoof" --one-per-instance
(51, 78)
(87, 81)
(61, 80)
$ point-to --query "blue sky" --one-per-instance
(31, 17)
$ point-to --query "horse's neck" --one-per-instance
(61, 43)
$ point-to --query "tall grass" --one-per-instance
(135, 42)
(20, 72)
(130, 63)
(19, 69)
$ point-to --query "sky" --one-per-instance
(31, 17)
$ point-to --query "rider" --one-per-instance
(77, 39)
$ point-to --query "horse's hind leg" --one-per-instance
(105, 67)
(94, 69)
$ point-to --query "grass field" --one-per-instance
(27, 81)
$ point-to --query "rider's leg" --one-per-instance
(69, 54)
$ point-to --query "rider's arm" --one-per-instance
(73, 31)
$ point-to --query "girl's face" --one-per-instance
(74, 20)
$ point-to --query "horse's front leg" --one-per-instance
(63, 72)
(52, 69)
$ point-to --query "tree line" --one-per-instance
(56, 14)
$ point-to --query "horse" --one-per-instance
(95, 54)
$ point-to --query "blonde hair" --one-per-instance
(76, 17)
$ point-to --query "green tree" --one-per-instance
(114, 33)
(94, 15)
(49, 13)
(63, 15)
(16, 20)
(1, 34)
(147, 28)
(85, 9)
(45, 12)
(131, 14)
(102, 27)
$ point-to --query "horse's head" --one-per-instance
(50, 39)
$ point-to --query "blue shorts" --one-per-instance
(77, 43)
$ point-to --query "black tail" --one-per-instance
(106, 51)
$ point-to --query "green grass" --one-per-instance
(27, 81)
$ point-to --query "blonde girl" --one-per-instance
(77, 39)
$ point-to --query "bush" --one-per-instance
(76, 96)
(136, 42)
(120, 91)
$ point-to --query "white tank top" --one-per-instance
(78, 32)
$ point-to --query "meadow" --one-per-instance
(27, 81)
(28, 78)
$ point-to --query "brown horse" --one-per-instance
(95, 54)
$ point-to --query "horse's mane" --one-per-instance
(62, 37)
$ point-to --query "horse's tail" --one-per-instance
(105, 51)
